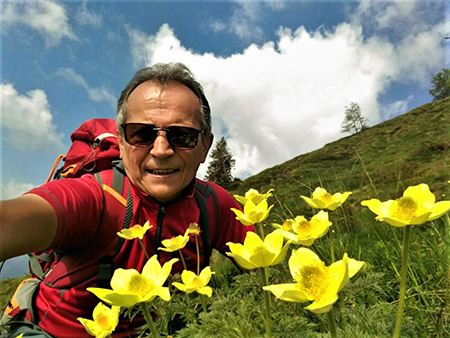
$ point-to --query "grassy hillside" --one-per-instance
(380, 161)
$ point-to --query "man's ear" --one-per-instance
(120, 141)
(207, 145)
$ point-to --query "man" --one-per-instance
(164, 133)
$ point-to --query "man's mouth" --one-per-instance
(161, 172)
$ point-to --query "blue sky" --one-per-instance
(278, 74)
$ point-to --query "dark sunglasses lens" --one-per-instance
(182, 137)
(140, 134)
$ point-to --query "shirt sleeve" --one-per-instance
(78, 205)
(229, 228)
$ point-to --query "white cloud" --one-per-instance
(46, 17)
(217, 26)
(27, 122)
(95, 94)
(243, 22)
(396, 108)
(14, 189)
(288, 97)
(88, 18)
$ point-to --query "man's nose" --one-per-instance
(161, 146)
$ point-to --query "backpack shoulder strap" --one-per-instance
(106, 263)
(201, 195)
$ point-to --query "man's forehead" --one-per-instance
(172, 96)
(159, 87)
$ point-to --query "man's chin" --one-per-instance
(161, 192)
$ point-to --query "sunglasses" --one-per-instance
(143, 135)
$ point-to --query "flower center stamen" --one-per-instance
(103, 321)
(303, 227)
(326, 197)
(313, 279)
(139, 285)
(405, 208)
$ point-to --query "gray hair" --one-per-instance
(165, 73)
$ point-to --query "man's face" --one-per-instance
(160, 170)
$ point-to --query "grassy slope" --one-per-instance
(407, 150)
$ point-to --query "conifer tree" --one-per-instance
(353, 121)
(222, 161)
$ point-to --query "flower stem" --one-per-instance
(149, 320)
(342, 306)
(143, 248)
(333, 259)
(198, 255)
(182, 260)
(261, 230)
(264, 278)
(332, 324)
(202, 298)
(401, 298)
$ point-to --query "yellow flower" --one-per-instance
(417, 206)
(321, 199)
(314, 281)
(257, 254)
(253, 213)
(20, 335)
(104, 323)
(175, 243)
(254, 196)
(129, 287)
(304, 232)
(194, 229)
(136, 231)
(192, 282)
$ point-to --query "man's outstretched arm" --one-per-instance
(27, 223)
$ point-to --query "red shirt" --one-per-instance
(80, 208)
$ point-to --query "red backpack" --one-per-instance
(94, 148)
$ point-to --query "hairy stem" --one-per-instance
(149, 320)
(401, 298)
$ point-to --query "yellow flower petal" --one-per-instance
(416, 206)
(104, 323)
(254, 196)
(240, 216)
(114, 298)
(136, 231)
(180, 286)
(192, 282)
(315, 281)
(321, 199)
(240, 255)
(439, 209)
(207, 290)
(130, 287)
(240, 199)
(206, 274)
(288, 292)
(354, 266)
(323, 306)
(420, 193)
(175, 243)
(310, 202)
